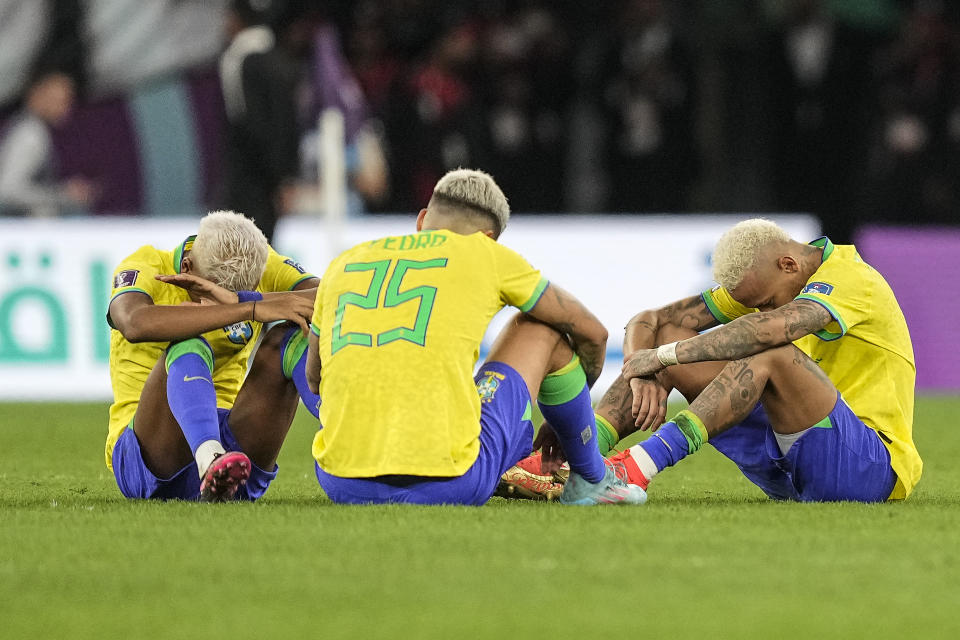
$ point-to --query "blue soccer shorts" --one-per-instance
(839, 459)
(506, 437)
(136, 480)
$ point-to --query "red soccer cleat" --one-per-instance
(227, 473)
(626, 469)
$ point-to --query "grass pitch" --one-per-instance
(707, 557)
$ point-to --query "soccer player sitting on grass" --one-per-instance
(184, 422)
(397, 329)
(807, 386)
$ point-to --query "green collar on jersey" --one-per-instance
(824, 243)
(184, 246)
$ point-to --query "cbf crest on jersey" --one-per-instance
(295, 265)
(818, 287)
(125, 278)
(488, 386)
(239, 333)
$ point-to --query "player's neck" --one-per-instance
(811, 259)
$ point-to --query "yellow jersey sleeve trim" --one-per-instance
(720, 316)
(535, 296)
(823, 334)
(315, 329)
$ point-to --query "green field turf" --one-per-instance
(707, 557)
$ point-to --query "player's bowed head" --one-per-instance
(466, 201)
(761, 265)
(229, 251)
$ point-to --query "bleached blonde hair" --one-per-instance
(738, 248)
(475, 190)
(230, 251)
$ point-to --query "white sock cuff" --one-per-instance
(205, 454)
(647, 466)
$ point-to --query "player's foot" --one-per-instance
(626, 469)
(227, 473)
(517, 482)
(610, 490)
(527, 479)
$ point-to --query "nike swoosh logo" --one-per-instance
(192, 378)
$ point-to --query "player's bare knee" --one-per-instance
(772, 360)
(273, 338)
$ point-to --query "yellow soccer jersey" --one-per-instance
(130, 363)
(866, 351)
(400, 321)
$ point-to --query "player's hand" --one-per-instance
(641, 363)
(649, 402)
(287, 306)
(200, 288)
(548, 442)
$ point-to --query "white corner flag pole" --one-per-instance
(333, 178)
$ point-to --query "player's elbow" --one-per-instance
(596, 333)
(134, 334)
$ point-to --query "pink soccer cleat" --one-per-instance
(227, 473)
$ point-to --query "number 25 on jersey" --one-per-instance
(393, 297)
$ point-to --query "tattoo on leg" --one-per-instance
(617, 405)
(707, 404)
(745, 394)
(729, 397)
(802, 359)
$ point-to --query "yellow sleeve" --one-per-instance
(722, 305)
(136, 273)
(520, 284)
(282, 273)
(836, 288)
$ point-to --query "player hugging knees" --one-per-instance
(397, 328)
(807, 386)
(187, 420)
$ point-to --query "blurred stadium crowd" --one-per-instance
(847, 110)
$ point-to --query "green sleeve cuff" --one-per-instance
(823, 334)
(535, 296)
(721, 317)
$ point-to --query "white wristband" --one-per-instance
(667, 354)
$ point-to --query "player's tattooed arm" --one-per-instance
(643, 328)
(566, 314)
(743, 337)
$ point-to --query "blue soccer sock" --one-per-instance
(193, 398)
(670, 444)
(564, 400)
(294, 353)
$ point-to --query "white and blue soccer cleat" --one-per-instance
(610, 490)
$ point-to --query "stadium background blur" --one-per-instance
(626, 110)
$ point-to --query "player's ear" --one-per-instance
(420, 217)
(788, 264)
(186, 265)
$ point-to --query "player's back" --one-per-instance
(400, 320)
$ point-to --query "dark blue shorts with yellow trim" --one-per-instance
(506, 437)
(840, 459)
(137, 481)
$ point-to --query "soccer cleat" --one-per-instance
(528, 480)
(227, 473)
(518, 482)
(610, 490)
(626, 469)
